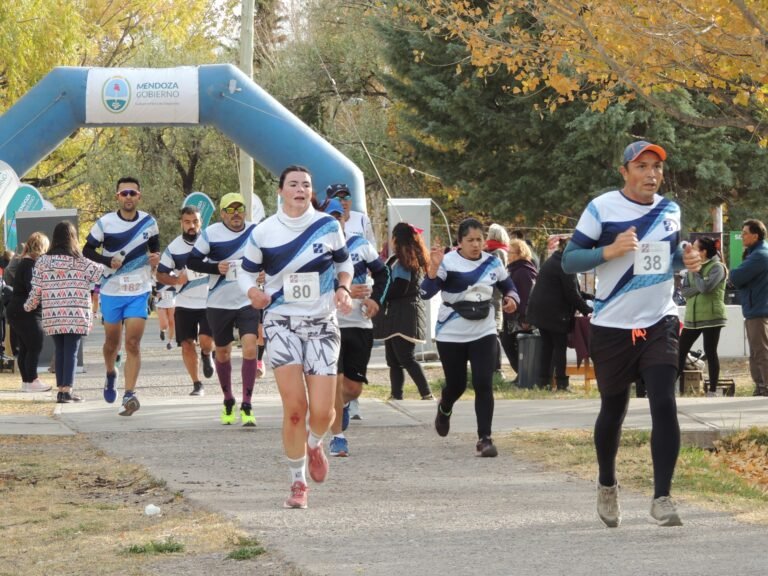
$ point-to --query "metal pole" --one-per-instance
(246, 65)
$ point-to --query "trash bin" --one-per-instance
(528, 358)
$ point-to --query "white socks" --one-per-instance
(298, 470)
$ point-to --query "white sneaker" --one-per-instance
(35, 386)
(608, 505)
(664, 511)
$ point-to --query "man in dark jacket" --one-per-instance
(551, 308)
(751, 279)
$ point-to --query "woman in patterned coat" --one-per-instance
(61, 282)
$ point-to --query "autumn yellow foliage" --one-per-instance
(587, 49)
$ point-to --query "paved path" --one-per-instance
(408, 502)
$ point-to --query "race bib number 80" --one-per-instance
(304, 287)
(652, 258)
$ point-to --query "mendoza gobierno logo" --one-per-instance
(116, 94)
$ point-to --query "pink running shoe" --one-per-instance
(318, 463)
(298, 497)
(260, 369)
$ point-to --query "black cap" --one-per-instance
(335, 189)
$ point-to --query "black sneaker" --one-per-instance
(442, 421)
(162, 335)
(197, 389)
(207, 365)
(486, 448)
(67, 397)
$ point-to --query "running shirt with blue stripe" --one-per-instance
(193, 294)
(133, 237)
(364, 258)
(217, 243)
(624, 299)
(462, 279)
(304, 255)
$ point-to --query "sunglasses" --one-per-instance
(233, 210)
(342, 196)
(131, 193)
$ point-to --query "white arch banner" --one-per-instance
(142, 96)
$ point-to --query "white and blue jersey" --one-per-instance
(460, 279)
(302, 255)
(623, 298)
(133, 237)
(193, 294)
(364, 258)
(217, 243)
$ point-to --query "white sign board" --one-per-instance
(142, 96)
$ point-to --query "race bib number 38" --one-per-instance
(652, 258)
(304, 287)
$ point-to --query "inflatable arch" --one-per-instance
(69, 98)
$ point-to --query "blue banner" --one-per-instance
(203, 203)
(26, 199)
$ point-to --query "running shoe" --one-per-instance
(260, 369)
(339, 447)
(207, 365)
(429, 396)
(35, 386)
(197, 389)
(318, 463)
(130, 405)
(485, 448)
(354, 410)
(246, 415)
(228, 414)
(169, 346)
(345, 417)
(162, 334)
(442, 421)
(608, 505)
(118, 360)
(664, 511)
(298, 497)
(110, 394)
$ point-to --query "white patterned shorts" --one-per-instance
(312, 342)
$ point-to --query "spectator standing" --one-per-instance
(61, 283)
(523, 273)
(466, 327)
(751, 279)
(401, 322)
(705, 314)
(632, 238)
(497, 243)
(551, 308)
(28, 326)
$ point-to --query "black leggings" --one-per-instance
(665, 436)
(711, 339)
(399, 354)
(29, 332)
(553, 354)
(480, 354)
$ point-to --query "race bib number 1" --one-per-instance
(304, 287)
(652, 258)
(234, 266)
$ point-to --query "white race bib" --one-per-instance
(304, 287)
(131, 283)
(652, 258)
(234, 266)
(192, 275)
(478, 293)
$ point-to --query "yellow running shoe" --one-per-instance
(246, 415)
(228, 413)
